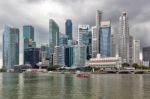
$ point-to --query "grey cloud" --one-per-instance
(20, 12)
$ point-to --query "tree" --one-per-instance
(52, 67)
(125, 65)
(135, 65)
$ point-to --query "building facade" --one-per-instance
(136, 51)
(113, 46)
(69, 56)
(146, 54)
(83, 31)
(79, 54)
(28, 35)
(32, 56)
(105, 39)
(107, 62)
(44, 54)
(58, 56)
(53, 38)
(63, 39)
(123, 38)
(95, 34)
(10, 47)
(131, 50)
(68, 28)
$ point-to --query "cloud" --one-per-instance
(38, 12)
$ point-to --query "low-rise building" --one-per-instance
(105, 62)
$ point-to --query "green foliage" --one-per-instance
(2, 70)
(125, 65)
(52, 67)
(135, 65)
(140, 66)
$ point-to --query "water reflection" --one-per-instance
(67, 86)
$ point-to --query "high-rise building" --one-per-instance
(101, 37)
(44, 53)
(10, 47)
(105, 39)
(85, 37)
(53, 37)
(32, 56)
(96, 34)
(63, 39)
(58, 56)
(69, 56)
(68, 28)
(131, 49)
(123, 38)
(83, 30)
(136, 51)
(113, 45)
(28, 35)
(146, 54)
(33, 44)
(79, 54)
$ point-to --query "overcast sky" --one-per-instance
(38, 12)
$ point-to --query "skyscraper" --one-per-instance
(68, 28)
(79, 54)
(105, 39)
(68, 56)
(131, 50)
(101, 37)
(96, 34)
(113, 45)
(123, 38)
(85, 37)
(53, 37)
(58, 56)
(136, 51)
(63, 39)
(82, 31)
(44, 53)
(28, 35)
(146, 55)
(10, 47)
(32, 56)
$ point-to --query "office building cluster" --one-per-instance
(63, 50)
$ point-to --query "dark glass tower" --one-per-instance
(31, 56)
(69, 56)
(68, 28)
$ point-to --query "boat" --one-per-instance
(83, 75)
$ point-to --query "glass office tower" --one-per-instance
(10, 47)
(105, 39)
(79, 54)
(68, 28)
(68, 56)
(28, 35)
(32, 56)
(53, 37)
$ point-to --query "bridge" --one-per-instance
(128, 71)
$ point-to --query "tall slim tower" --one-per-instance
(10, 47)
(83, 30)
(105, 39)
(53, 37)
(123, 38)
(136, 51)
(68, 28)
(96, 34)
(28, 35)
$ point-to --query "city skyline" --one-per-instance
(82, 19)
